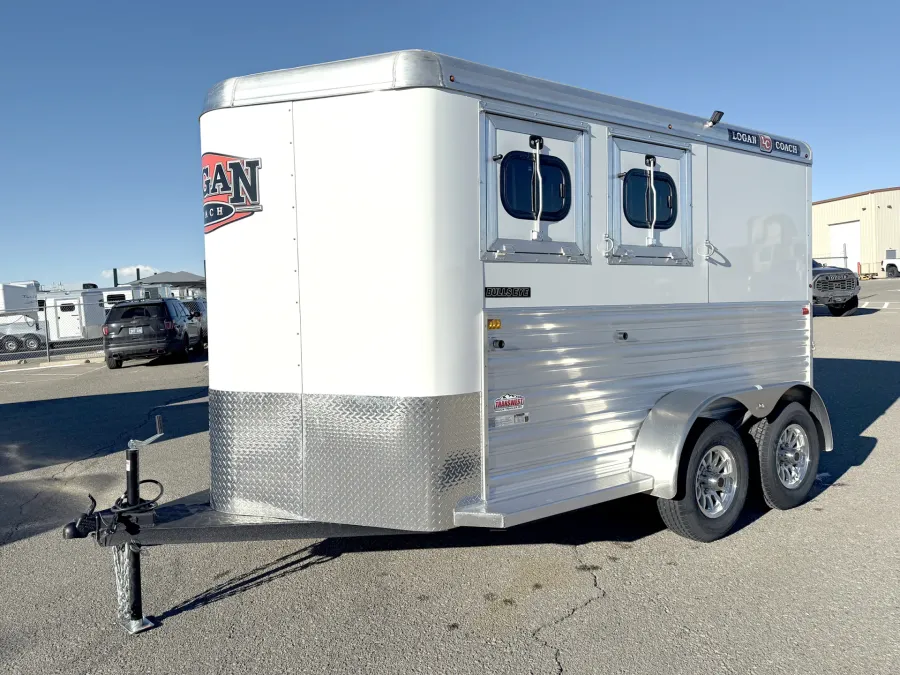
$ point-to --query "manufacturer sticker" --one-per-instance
(507, 292)
(230, 189)
(509, 402)
(509, 420)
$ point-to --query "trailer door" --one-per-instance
(758, 228)
(67, 319)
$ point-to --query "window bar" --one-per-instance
(536, 142)
(650, 161)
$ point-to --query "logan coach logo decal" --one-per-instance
(230, 189)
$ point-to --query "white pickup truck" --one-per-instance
(891, 267)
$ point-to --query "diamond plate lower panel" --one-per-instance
(390, 462)
(398, 462)
(256, 449)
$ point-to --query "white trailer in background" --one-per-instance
(72, 315)
(18, 296)
(20, 326)
(500, 299)
(122, 293)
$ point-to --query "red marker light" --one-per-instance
(805, 310)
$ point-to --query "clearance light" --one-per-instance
(805, 310)
(494, 324)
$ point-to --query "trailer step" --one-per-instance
(510, 512)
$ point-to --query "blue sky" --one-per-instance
(99, 100)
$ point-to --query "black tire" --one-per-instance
(199, 346)
(9, 344)
(31, 343)
(683, 514)
(112, 362)
(844, 308)
(892, 272)
(765, 434)
(184, 354)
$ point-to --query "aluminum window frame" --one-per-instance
(516, 119)
(658, 145)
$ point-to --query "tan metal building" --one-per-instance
(861, 228)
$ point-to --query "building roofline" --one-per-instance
(856, 194)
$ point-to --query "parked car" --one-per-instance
(199, 305)
(20, 332)
(835, 287)
(139, 329)
(890, 267)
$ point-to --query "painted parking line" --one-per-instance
(865, 304)
(886, 305)
(52, 365)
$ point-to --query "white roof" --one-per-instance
(415, 68)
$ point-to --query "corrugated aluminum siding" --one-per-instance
(878, 214)
(587, 388)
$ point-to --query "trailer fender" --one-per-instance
(661, 438)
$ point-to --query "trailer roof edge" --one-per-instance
(425, 69)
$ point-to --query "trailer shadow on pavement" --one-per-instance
(856, 393)
(63, 432)
(36, 434)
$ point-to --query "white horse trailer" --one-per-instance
(73, 315)
(124, 293)
(18, 297)
(500, 299)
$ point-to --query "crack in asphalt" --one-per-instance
(120, 438)
(598, 594)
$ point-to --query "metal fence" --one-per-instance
(60, 329)
(864, 268)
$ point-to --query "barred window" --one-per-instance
(519, 188)
(638, 199)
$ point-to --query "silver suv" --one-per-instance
(199, 305)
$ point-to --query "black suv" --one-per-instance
(149, 328)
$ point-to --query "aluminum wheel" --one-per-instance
(715, 483)
(792, 461)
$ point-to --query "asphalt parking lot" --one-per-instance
(606, 589)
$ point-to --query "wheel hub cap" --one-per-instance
(716, 481)
(792, 461)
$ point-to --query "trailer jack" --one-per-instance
(128, 513)
(133, 523)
